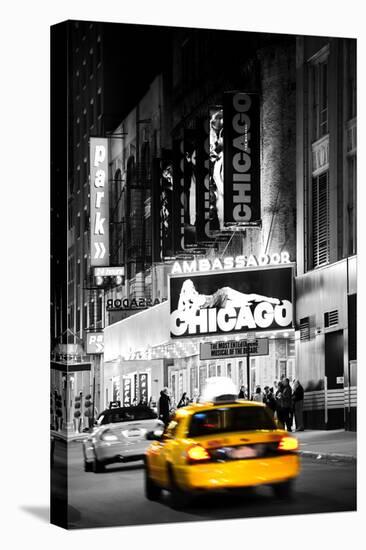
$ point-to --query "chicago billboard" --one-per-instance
(99, 202)
(231, 301)
(241, 159)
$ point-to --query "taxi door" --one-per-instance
(163, 453)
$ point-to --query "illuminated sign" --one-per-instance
(233, 348)
(205, 237)
(216, 176)
(166, 205)
(231, 301)
(230, 262)
(179, 197)
(126, 388)
(109, 271)
(99, 203)
(143, 388)
(95, 342)
(121, 304)
(241, 159)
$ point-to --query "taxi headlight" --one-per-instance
(288, 444)
(197, 453)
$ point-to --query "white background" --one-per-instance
(25, 281)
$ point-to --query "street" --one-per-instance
(116, 497)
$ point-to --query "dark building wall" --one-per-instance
(59, 181)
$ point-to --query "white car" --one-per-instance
(119, 436)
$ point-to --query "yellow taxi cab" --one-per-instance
(223, 444)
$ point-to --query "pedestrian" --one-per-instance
(269, 399)
(292, 410)
(278, 399)
(258, 395)
(184, 400)
(164, 406)
(298, 404)
(241, 394)
(286, 403)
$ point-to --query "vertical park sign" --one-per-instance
(99, 203)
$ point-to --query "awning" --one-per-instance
(139, 333)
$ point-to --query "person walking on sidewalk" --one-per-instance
(286, 403)
(164, 406)
(269, 399)
(278, 398)
(258, 395)
(298, 404)
(242, 393)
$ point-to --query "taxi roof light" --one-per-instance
(218, 389)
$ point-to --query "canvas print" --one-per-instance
(203, 274)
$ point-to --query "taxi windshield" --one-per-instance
(230, 419)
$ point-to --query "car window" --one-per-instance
(126, 414)
(230, 419)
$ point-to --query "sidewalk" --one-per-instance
(332, 445)
(73, 436)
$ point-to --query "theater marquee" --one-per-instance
(231, 301)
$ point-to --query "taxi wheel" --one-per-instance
(284, 490)
(178, 497)
(98, 466)
(152, 491)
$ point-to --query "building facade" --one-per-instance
(326, 259)
(306, 90)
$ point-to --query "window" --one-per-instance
(70, 215)
(78, 320)
(85, 267)
(331, 318)
(86, 219)
(91, 112)
(320, 220)
(70, 321)
(304, 329)
(78, 222)
(226, 419)
(202, 376)
(99, 102)
(71, 268)
(85, 316)
(241, 373)
(351, 75)
(352, 198)
(319, 98)
(228, 370)
(194, 381)
(282, 364)
(99, 307)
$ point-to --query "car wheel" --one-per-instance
(88, 466)
(178, 497)
(284, 490)
(152, 491)
(98, 466)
